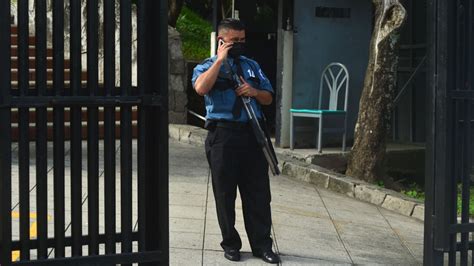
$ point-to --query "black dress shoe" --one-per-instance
(269, 257)
(232, 254)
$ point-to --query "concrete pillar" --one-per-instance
(286, 88)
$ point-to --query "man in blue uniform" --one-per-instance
(235, 158)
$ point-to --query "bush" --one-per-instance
(195, 34)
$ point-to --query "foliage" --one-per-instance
(471, 201)
(414, 191)
(195, 34)
(380, 183)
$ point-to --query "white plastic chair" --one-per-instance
(334, 83)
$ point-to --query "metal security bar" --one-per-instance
(46, 184)
(449, 170)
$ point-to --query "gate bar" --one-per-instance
(141, 79)
(126, 125)
(93, 126)
(23, 138)
(109, 126)
(76, 135)
(58, 129)
(41, 131)
(5, 137)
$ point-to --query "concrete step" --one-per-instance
(67, 131)
(67, 114)
(49, 74)
(32, 62)
(31, 51)
(14, 39)
(49, 84)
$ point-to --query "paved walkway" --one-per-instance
(310, 225)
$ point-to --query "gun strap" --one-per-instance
(238, 105)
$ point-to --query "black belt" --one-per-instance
(232, 125)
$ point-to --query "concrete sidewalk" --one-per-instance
(310, 225)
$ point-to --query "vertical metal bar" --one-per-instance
(58, 129)
(443, 142)
(412, 90)
(156, 149)
(41, 132)
(216, 17)
(5, 137)
(141, 57)
(76, 145)
(428, 258)
(93, 126)
(465, 175)
(23, 144)
(109, 126)
(436, 19)
(125, 125)
(162, 130)
(469, 79)
(463, 138)
(452, 194)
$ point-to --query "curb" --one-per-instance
(322, 178)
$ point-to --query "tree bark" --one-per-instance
(174, 9)
(366, 160)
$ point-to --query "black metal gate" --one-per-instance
(76, 196)
(449, 172)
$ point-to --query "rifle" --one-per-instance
(262, 136)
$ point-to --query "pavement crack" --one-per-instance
(398, 235)
(333, 222)
(205, 217)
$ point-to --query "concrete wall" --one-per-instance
(319, 41)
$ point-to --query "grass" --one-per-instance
(471, 201)
(195, 34)
(415, 191)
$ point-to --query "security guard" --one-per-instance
(235, 158)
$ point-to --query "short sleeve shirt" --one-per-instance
(220, 102)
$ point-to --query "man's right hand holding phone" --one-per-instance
(223, 50)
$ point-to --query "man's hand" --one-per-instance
(263, 97)
(223, 50)
(246, 90)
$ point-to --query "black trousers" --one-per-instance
(236, 161)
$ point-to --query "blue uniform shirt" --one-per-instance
(219, 103)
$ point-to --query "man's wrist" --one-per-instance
(256, 93)
(219, 60)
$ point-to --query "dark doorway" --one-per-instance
(261, 21)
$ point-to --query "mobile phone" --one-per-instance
(221, 42)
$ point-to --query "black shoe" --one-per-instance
(232, 254)
(269, 257)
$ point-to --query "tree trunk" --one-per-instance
(366, 160)
(174, 9)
